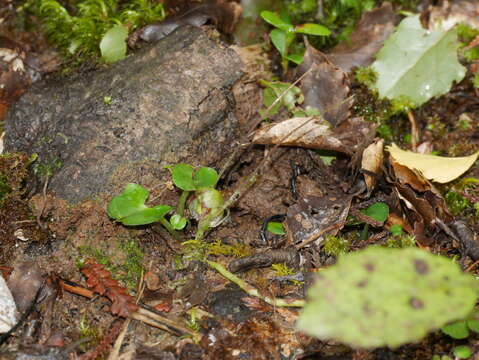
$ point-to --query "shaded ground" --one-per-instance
(59, 239)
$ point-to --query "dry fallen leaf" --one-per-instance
(325, 86)
(366, 40)
(437, 168)
(316, 133)
(372, 161)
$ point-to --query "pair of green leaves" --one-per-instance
(285, 33)
(129, 207)
(188, 178)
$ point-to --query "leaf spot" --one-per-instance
(421, 267)
(416, 303)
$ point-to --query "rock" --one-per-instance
(167, 103)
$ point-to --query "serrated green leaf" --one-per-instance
(182, 175)
(312, 29)
(456, 330)
(275, 20)
(417, 64)
(276, 228)
(378, 211)
(205, 177)
(386, 297)
(129, 207)
(113, 44)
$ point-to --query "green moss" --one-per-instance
(456, 202)
(401, 241)
(128, 271)
(13, 170)
(49, 167)
(77, 27)
(367, 76)
(335, 245)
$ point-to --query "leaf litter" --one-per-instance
(321, 202)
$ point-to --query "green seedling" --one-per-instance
(285, 33)
(206, 199)
(379, 212)
(277, 94)
(207, 205)
(129, 208)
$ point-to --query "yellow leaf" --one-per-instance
(436, 168)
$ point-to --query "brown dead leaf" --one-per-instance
(316, 133)
(313, 217)
(373, 29)
(451, 13)
(14, 79)
(325, 86)
(372, 161)
(407, 176)
(222, 13)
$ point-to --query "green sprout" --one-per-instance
(285, 33)
(206, 205)
(379, 212)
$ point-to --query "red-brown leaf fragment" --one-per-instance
(100, 281)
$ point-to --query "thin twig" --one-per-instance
(44, 203)
(414, 130)
(314, 237)
(252, 291)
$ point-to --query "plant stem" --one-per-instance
(252, 291)
(180, 209)
(364, 232)
(166, 224)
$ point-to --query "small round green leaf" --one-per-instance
(276, 228)
(205, 177)
(182, 175)
(178, 222)
(312, 29)
(275, 20)
(130, 201)
(386, 297)
(113, 44)
(378, 211)
(462, 352)
(456, 330)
